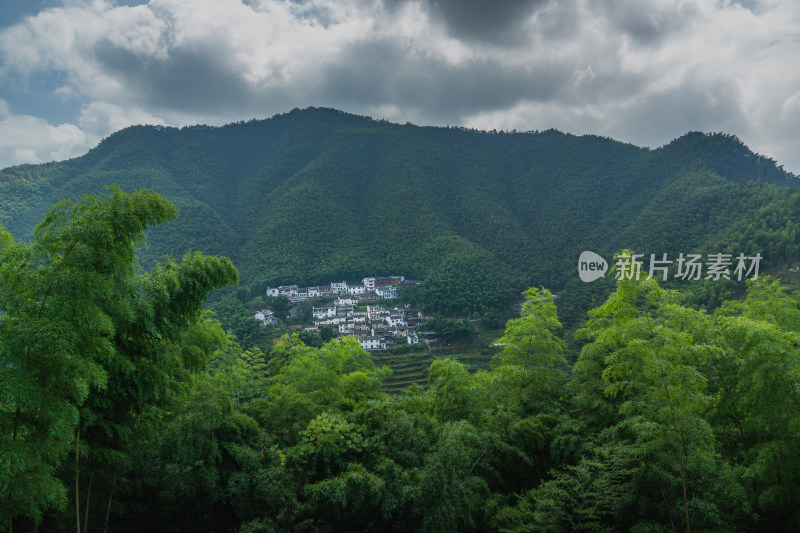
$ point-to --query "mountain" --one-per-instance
(317, 195)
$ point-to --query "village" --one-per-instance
(355, 311)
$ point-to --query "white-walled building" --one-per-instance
(284, 290)
(323, 312)
(386, 292)
(347, 300)
(375, 283)
(372, 343)
(266, 317)
(394, 319)
(356, 289)
(323, 291)
(339, 288)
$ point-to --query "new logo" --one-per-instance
(591, 266)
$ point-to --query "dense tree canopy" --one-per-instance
(125, 405)
(88, 343)
(318, 195)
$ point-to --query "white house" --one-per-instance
(386, 292)
(372, 343)
(339, 288)
(375, 283)
(347, 300)
(284, 290)
(266, 317)
(394, 320)
(344, 310)
(300, 296)
(376, 312)
(323, 312)
(356, 289)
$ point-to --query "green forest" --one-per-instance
(136, 391)
(318, 195)
(126, 407)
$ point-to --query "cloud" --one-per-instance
(28, 139)
(442, 90)
(646, 22)
(644, 71)
(494, 21)
(99, 118)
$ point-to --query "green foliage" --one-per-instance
(650, 373)
(675, 406)
(451, 330)
(476, 216)
(590, 496)
(532, 359)
(468, 280)
(82, 330)
(279, 305)
(758, 408)
(236, 319)
(661, 397)
(452, 491)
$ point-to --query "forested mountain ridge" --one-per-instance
(318, 194)
(124, 403)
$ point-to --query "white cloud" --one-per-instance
(100, 119)
(27, 139)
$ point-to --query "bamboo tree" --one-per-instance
(77, 322)
(649, 370)
(761, 335)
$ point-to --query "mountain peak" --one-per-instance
(728, 156)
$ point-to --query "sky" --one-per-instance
(641, 71)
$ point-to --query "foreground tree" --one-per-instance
(532, 360)
(78, 323)
(757, 411)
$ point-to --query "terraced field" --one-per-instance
(413, 367)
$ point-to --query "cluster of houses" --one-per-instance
(370, 290)
(375, 327)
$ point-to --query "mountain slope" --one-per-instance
(317, 194)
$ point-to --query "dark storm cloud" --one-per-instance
(496, 21)
(197, 79)
(375, 73)
(201, 78)
(483, 19)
